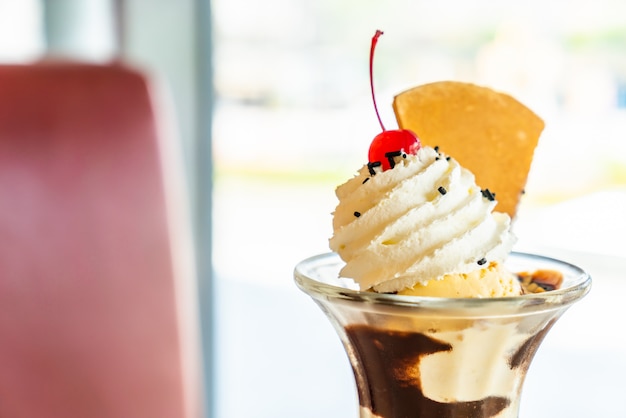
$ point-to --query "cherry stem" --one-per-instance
(373, 47)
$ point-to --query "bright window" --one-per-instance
(21, 32)
(294, 118)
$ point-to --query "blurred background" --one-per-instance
(273, 108)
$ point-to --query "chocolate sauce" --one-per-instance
(389, 362)
(525, 353)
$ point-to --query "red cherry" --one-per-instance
(388, 144)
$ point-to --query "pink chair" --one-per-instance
(98, 311)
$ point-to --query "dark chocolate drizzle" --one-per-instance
(525, 353)
(386, 359)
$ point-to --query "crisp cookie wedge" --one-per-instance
(490, 133)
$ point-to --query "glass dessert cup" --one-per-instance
(433, 357)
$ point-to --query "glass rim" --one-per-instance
(576, 284)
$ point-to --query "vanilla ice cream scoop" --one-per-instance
(422, 220)
(491, 282)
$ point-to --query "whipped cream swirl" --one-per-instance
(419, 221)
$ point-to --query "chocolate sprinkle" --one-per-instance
(372, 166)
(436, 148)
(442, 190)
(357, 214)
(488, 195)
(366, 180)
(390, 157)
(447, 158)
(482, 261)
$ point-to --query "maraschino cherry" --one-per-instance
(388, 144)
